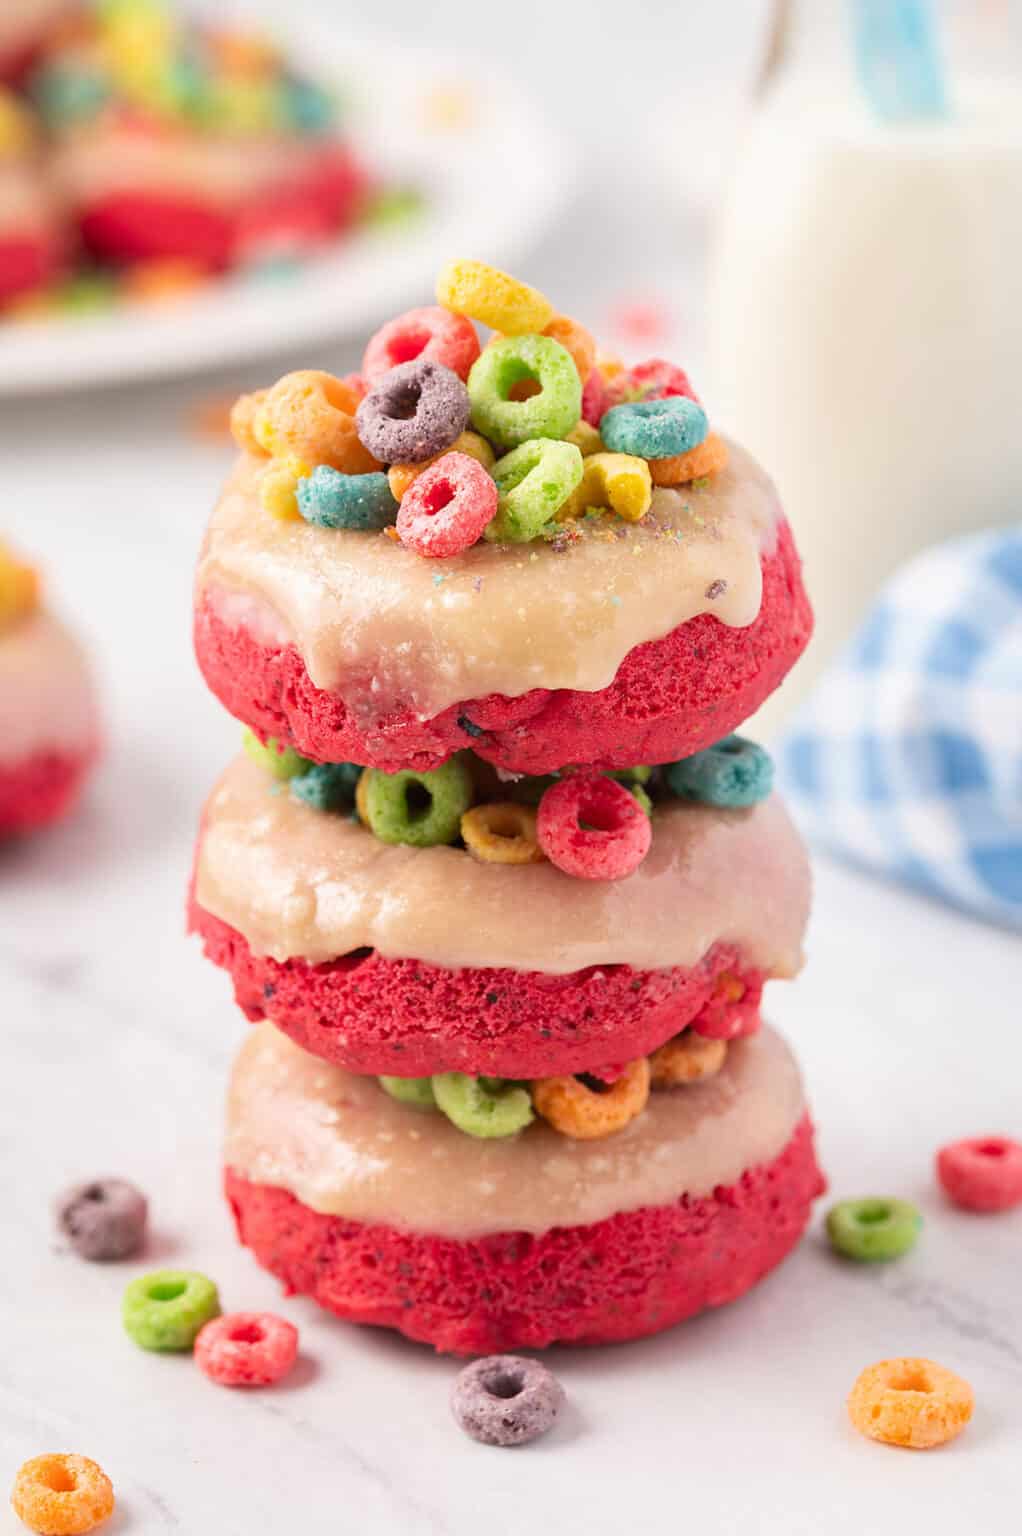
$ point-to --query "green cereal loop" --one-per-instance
(410, 1090)
(533, 483)
(640, 774)
(393, 815)
(327, 786)
(639, 794)
(283, 763)
(165, 1310)
(484, 1107)
(553, 412)
(873, 1229)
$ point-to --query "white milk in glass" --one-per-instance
(866, 330)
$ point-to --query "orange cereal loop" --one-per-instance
(311, 416)
(155, 282)
(400, 476)
(584, 1113)
(502, 832)
(62, 1495)
(576, 340)
(708, 458)
(242, 421)
(688, 1058)
(609, 365)
(19, 588)
(910, 1402)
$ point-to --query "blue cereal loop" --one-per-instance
(360, 503)
(327, 786)
(654, 429)
(732, 773)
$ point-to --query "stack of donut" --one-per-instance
(494, 879)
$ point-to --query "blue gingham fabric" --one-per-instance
(907, 757)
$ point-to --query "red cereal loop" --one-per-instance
(982, 1173)
(429, 334)
(246, 1349)
(655, 379)
(592, 828)
(594, 398)
(447, 507)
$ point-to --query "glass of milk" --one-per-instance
(866, 317)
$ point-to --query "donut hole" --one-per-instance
(505, 1383)
(911, 1380)
(247, 1333)
(57, 1478)
(871, 1213)
(166, 1290)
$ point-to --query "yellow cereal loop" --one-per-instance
(400, 476)
(910, 1402)
(502, 832)
(586, 438)
(17, 135)
(584, 1114)
(278, 483)
(688, 1058)
(619, 481)
(707, 458)
(488, 295)
(609, 365)
(19, 588)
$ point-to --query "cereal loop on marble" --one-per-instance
(502, 832)
(910, 1402)
(585, 1113)
(310, 416)
(247, 1349)
(62, 1495)
(486, 294)
(982, 1173)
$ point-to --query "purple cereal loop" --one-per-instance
(414, 412)
(102, 1220)
(506, 1400)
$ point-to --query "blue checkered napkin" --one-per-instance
(907, 758)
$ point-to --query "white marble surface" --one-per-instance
(115, 1042)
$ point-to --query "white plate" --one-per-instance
(492, 184)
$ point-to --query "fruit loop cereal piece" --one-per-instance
(327, 786)
(361, 503)
(247, 1349)
(552, 412)
(873, 1228)
(401, 476)
(417, 1091)
(982, 1173)
(688, 1058)
(654, 429)
(310, 416)
(154, 282)
(414, 412)
(586, 1114)
(618, 481)
(709, 458)
(61, 1495)
(493, 297)
(734, 772)
(484, 1107)
(576, 340)
(910, 1402)
(505, 1400)
(243, 418)
(392, 804)
(586, 438)
(165, 1310)
(448, 507)
(640, 797)
(278, 487)
(19, 588)
(534, 482)
(652, 380)
(431, 334)
(103, 1219)
(594, 398)
(591, 827)
(282, 762)
(502, 832)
